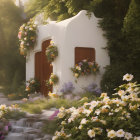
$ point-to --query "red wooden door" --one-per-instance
(43, 69)
(38, 67)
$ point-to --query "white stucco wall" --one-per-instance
(78, 31)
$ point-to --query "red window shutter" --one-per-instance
(82, 53)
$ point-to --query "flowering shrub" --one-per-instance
(51, 52)
(105, 118)
(52, 80)
(53, 95)
(33, 86)
(27, 37)
(67, 88)
(92, 88)
(5, 113)
(85, 68)
(4, 129)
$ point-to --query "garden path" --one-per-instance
(4, 100)
(29, 127)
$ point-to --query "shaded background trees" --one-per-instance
(12, 65)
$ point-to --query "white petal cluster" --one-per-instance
(93, 118)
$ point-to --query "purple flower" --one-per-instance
(54, 115)
(6, 128)
(80, 64)
(67, 87)
(92, 88)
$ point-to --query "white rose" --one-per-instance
(111, 134)
(91, 133)
(120, 133)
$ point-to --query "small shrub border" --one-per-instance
(104, 118)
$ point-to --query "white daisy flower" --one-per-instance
(128, 135)
(128, 77)
(120, 133)
(111, 134)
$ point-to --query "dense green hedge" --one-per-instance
(12, 66)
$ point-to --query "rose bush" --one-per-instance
(105, 118)
(33, 85)
(53, 80)
(27, 37)
(5, 114)
(51, 52)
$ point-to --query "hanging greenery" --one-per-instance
(85, 68)
(53, 80)
(33, 85)
(51, 52)
(27, 37)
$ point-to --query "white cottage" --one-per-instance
(77, 38)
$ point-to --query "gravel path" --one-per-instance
(29, 127)
(4, 100)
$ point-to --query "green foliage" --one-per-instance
(56, 9)
(51, 52)
(131, 32)
(11, 112)
(38, 105)
(27, 37)
(112, 78)
(33, 85)
(49, 127)
(53, 80)
(85, 68)
(34, 7)
(104, 118)
(132, 19)
(121, 25)
(20, 92)
(12, 68)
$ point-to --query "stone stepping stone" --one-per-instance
(17, 129)
(37, 125)
(31, 136)
(21, 122)
(47, 137)
(15, 136)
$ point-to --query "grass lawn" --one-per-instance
(37, 106)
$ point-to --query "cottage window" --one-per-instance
(82, 53)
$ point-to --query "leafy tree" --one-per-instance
(131, 31)
(56, 9)
(10, 61)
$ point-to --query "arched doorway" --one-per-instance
(43, 69)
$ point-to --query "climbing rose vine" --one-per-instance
(33, 85)
(27, 37)
(105, 118)
(51, 52)
(53, 80)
